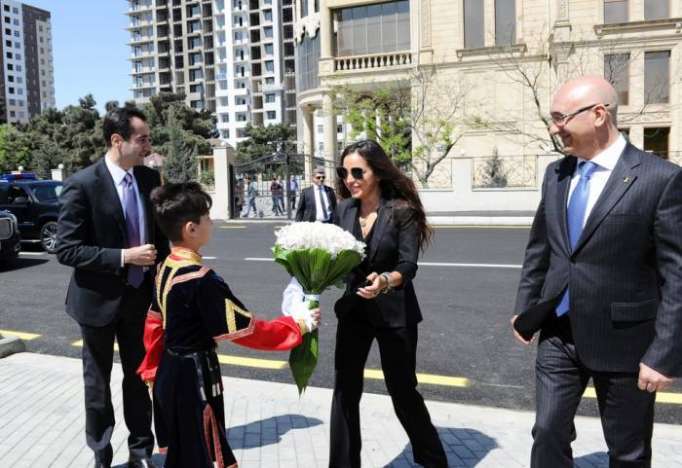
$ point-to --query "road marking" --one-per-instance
(79, 344)
(471, 265)
(210, 258)
(661, 397)
(233, 227)
(252, 362)
(435, 264)
(32, 254)
(20, 335)
(425, 379)
(485, 226)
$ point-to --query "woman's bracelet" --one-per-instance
(388, 287)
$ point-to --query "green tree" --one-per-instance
(15, 148)
(180, 164)
(262, 142)
(495, 175)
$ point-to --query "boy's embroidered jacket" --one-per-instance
(193, 308)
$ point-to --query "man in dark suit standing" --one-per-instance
(605, 252)
(107, 234)
(318, 201)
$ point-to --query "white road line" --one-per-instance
(436, 264)
(32, 254)
(209, 258)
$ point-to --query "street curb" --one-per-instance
(480, 220)
(10, 345)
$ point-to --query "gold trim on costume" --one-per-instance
(178, 258)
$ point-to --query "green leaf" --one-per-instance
(303, 360)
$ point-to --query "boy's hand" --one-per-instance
(309, 318)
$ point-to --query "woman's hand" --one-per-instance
(378, 284)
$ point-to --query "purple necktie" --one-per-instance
(132, 215)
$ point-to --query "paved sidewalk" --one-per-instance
(42, 418)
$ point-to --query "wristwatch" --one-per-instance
(388, 287)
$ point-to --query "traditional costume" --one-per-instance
(192, 309)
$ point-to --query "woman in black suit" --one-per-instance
(381, 207)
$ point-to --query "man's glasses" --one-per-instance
(356, 172)
(319, 177)
(562, 119)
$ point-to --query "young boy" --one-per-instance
(192, 309)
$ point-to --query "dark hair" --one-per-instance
(394, 186)
(177, 204)
(118, 120)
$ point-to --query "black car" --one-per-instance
(35, 203)
(10, 244)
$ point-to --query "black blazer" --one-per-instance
(307, 210)
(625, 274)
(393, 247)
(90, 236)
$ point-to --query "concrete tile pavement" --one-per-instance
(42, 419)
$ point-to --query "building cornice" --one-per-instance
(639, 26)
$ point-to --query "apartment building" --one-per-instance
(504, 59)
(231, 57)
(26, 65)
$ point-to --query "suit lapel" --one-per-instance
(106, 182)
(144, 194)
(564, 171)
(622, 178)
(383, 218)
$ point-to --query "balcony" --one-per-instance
(141, 7)
(385, 61)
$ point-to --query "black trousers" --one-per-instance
(627, 413)
(398, 349)
(98, 356)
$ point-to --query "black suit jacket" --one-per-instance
(393, 247)
(625, 274)
(91, 234)
(307, 210)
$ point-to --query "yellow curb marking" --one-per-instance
(661, 397)
(20, 335)
(79, 344)
(429, 379)
(252, 362)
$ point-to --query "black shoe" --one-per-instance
(142, 463)
(99, 464)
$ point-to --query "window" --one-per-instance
(657, 77)
(616, 72)
(241, 117)
(269, 66)
(656, 9)
(505, 22)
(6, 7)
(269, 98)
(615, 11)
(267, 15)
(308, 53)
(304, 8)
(656, 141)
(10, 90)
(473, 24)
(268, 31)
(269, 50)
(271, 115)
(10, 78)
(378, 28)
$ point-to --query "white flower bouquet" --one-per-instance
(317, 255)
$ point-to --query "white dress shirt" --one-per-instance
(320, 197)
(605, 161)
(118, 174)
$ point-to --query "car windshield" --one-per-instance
(47, 193)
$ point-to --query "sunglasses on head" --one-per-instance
(356, 172)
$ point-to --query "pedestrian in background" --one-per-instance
(251, 194)
(276, 193)
(318, 201)
(292, 192)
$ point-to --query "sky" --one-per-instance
(89, 46)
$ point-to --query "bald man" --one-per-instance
(603, 264)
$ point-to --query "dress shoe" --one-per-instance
(99, 464)
(142, 463)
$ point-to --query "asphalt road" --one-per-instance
(466, 286)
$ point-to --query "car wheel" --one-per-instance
(48, 236)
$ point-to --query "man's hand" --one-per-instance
(516, 334)
(144, 255)
(652, 380)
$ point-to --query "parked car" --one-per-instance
(10, 244)
(35, 203)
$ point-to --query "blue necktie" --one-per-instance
(132, 215)
(575, 217)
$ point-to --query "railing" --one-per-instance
(373, 61)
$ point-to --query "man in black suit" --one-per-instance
(107, 234)
(318, 201)
(605, 252)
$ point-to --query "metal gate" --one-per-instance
(269, 187)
